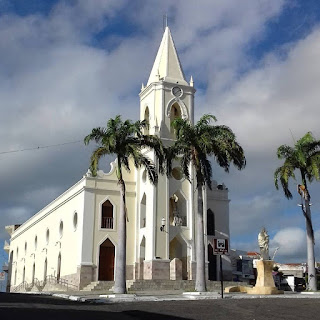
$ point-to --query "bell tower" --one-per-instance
(166, 96)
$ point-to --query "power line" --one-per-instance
(40, 147)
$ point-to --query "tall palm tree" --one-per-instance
(125, 140)
(305, 158)
(194, 144)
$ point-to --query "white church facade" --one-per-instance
(74, 238)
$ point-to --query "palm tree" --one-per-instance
(126, 141)
(304, 157)
(194, 144)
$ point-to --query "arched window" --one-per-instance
(75, 221)
(47, 236)
(143, 211)
(210, 223)
(107, 215)
(147, 118)
(178, 209)
(61, 229)
(174, 114)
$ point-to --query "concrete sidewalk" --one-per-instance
(174, 295)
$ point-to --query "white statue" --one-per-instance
(177, 220)
(263, 240)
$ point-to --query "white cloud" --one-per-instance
(291, 243)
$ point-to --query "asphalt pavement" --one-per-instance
(234, 306)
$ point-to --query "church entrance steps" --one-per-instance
(99, 285)
(156, 285)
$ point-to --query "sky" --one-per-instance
(68, 66)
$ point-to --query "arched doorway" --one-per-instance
(142, 257)
(24, 274)
(212, 258)
(59, 267)
(45, 270)
(210, 223)
(9, 271)
(33, 272)
(106, 261)
(178, 249)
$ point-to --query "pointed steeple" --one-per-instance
(167, 66)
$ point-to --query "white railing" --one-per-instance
(107, 223)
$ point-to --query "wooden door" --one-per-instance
(106, 263)
(212, 258)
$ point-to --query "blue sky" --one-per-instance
(68, 66)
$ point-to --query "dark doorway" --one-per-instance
(45, 270)
(33, 272)
(106, 261)
(59, 267)
(212, 258)
(210, 223)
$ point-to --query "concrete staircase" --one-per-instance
(156, 285)
(170, 285)
(99, 286)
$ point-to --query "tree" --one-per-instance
(194, 144)
(126, 141)
(305, 158)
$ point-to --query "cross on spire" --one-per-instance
(165, 21)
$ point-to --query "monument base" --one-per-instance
(264, 290)
(265, 282)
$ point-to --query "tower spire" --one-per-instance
(167, 65)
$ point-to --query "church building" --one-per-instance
(73, 240)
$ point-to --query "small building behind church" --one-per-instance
(73, 240)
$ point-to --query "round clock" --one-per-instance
(177, 91)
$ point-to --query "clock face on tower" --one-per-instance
(177, 91)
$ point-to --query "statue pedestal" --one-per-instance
(265, 283)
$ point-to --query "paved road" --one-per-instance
(26, 306)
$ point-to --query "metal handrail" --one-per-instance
(41, 284)
(54, 280)
(22, 285)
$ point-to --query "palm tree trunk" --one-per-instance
(200, 252)
(312, 279)
(120, 276)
